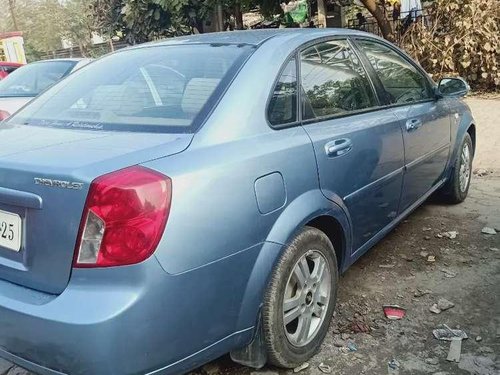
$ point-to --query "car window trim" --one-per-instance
(372, 76)
(296, 54)
(300, 121)
(430, 85)
(340, 115)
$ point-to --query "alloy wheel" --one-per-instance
(306, 298)
(465, 168)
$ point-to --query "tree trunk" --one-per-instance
(322, 13)
(220, 17)
(13, 14)
(382, 20)
(238, 16)
(199, 25)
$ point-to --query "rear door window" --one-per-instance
(333, 81)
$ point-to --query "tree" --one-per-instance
(462, 38)
(47, 23)
(376, 9)
(78, 26)
(139, 21)
(40, 22)
(13, 14)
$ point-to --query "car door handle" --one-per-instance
(413, 124)
(338, 147)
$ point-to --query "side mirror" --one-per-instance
(452, 87)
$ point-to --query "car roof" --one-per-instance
(254, 37)
(69, 59)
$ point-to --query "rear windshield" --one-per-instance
(155, 88)
(32, 79)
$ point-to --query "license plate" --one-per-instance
(10, 231)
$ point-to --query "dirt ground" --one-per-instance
(466, 271)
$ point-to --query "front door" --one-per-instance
(358, 145)
(424, 120)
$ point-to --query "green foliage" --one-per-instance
(143, 20)
(41, 23)
(77, 26)
(269, 8)
(46, 23)
(464, 40)
(105, 15)
(138, 21)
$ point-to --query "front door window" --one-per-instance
(402, 82)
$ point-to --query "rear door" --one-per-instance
(358, 145)
(425, 121)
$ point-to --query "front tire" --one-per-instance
(456, 189)
(300, 299)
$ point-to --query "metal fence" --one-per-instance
(95, 50)
(399, 22)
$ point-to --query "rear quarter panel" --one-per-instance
(215, 211)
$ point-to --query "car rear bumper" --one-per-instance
(128, 320)
(91, 328)
(179, 367)
(38, 369)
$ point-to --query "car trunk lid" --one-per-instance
(45, 174)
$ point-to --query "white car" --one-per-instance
(27, 82)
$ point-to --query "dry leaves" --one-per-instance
(459, 38)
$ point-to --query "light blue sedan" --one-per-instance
(176, 201)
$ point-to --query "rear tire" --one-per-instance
(457, 187)
(306, 278)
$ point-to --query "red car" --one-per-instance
(7, 67)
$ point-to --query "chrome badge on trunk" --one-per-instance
(58, 183)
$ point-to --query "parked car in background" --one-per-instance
(7, 67)
(173, 202)
(30, 80)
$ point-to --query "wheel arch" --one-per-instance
(472, 132)
(465, 128)
(313, 209)
(333, 229)
(466, 125)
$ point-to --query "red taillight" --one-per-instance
(4, 115)
(124, 218)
